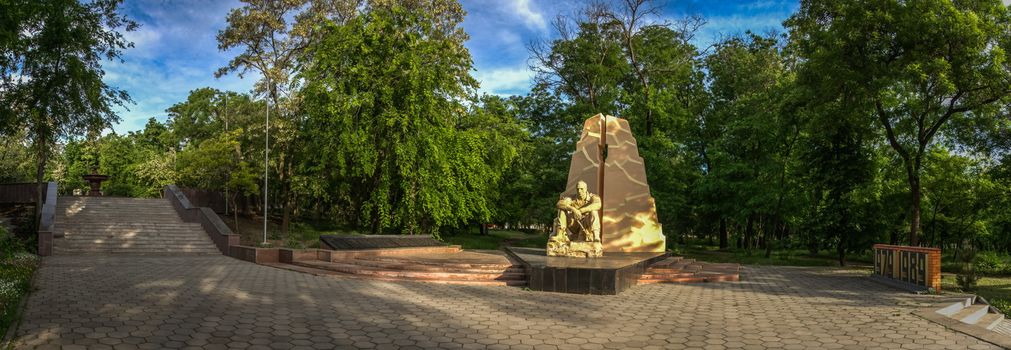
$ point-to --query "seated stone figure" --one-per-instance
(577, 228)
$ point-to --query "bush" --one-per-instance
(1004, 305)
(10, 245)
(969, 277)
(990, 263)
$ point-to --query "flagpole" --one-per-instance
(266, 153)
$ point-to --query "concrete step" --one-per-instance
(350, 268)
(990, 320)
(673, 280)
(393, 264)
(62, 251)
(1003, 327)
(677, 270)
(130, 230)
(134, 233)
(148, 242)
(972, 314)
(332, 273)
(129, 215)
(70, 228)
(955, 306)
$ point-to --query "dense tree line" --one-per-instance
(867, 121)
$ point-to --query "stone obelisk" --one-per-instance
(607, 159)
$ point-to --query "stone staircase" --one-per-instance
(974, 312)
(680, 270)
(111, 225)
(447, 265)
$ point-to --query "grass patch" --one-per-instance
(996, 290)
(757, 257)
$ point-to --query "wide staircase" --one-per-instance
(112, 225)
(680, 270)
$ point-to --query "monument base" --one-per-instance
(610, 274)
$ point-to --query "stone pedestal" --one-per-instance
(95, 181)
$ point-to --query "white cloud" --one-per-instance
(505, 80)
(530, 17)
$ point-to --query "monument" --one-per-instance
(612, 209)
(606, 233)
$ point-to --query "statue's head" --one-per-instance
(581, 190)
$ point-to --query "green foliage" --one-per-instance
(52, 85)
(913, 66)
(16, 270)
(384, 95)
(992, 263)
(832, 136)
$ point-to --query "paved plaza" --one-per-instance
(215, 302)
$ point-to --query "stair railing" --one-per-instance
(47, 222)
(208, 219)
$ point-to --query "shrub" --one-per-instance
(989, 263)
(1004, 305)
(969, 277)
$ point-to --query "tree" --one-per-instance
(274, 36)
(585, 63)
(384, 95)
(52, 79)
(914, 66)
(217, 164)
(748, 134)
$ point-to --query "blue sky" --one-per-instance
(176, 50)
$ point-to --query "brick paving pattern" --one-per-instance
(215, 302)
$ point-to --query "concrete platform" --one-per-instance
(610, 274)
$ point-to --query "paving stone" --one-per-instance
(215, 302)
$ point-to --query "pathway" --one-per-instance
(215, 302)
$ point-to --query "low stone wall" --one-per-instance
(254, 254)
(208, 219)
(289, 256)
(916, 266)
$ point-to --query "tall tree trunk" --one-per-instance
(235, 211)
(724, 235)
(842, 229)
(40, 171)
(749, 231)
(376, 227)
(914, 225)
(768, 238)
